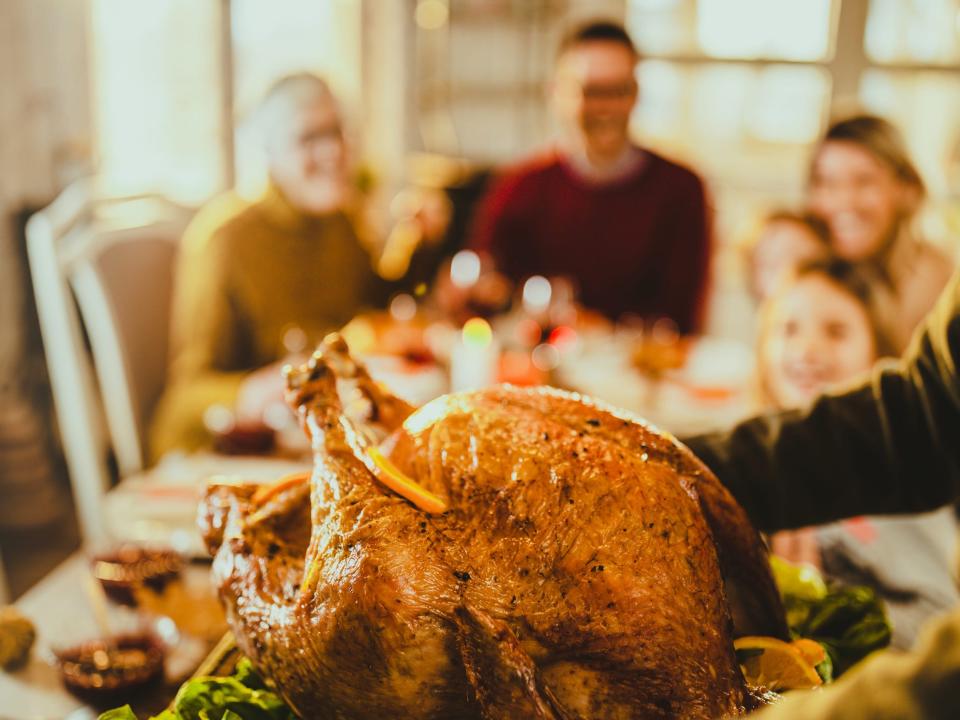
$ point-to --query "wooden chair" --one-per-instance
(102, 274)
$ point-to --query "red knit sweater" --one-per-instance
(640, 244)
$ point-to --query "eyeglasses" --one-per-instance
(617, 91)
(321, 135)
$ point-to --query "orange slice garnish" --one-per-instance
(811, 650)
(405, 486)
(775, 664)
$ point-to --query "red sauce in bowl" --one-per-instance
(112, 670)
(123, 570)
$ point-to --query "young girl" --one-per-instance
(820, 332)
(865, 187)
(785, 240)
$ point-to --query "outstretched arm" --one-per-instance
(890, 445)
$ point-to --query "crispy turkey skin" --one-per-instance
(587, 566)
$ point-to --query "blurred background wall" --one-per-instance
(46, 129)
(155, 95)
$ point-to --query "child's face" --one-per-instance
(783, 245)
(818, 336)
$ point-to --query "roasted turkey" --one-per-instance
(587, 565)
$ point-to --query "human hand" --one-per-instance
(797, 546)
(260, 390)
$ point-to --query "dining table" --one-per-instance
(156, 508)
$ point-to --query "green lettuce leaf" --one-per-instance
(850, 622)
(242, 696)
(122, 713)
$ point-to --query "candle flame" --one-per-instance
(477, 331)
(537, 292)
(403, 308)
(465, 269)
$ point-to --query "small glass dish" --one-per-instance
(112, 670)
(246, 439)
(123, 570)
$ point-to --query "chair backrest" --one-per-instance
(111, 260)
(123, 291)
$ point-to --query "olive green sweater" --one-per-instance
(891, 445)
(248, 272)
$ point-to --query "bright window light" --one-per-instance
(788, 104)
(661, 106)
(271, 40)
(663, 27)
(157, 97)
(926, 108)
(775, 29)
(914, 31)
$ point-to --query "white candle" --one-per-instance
(403, 308)
(537, 292)
(475, 358)
(465, 269)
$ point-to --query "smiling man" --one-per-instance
(627, 225)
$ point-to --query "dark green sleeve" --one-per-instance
(890, 445)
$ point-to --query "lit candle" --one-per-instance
(403, 308)
(537, 292)
(473, 364)
(465, 269)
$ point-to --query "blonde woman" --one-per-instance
(864, 185)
